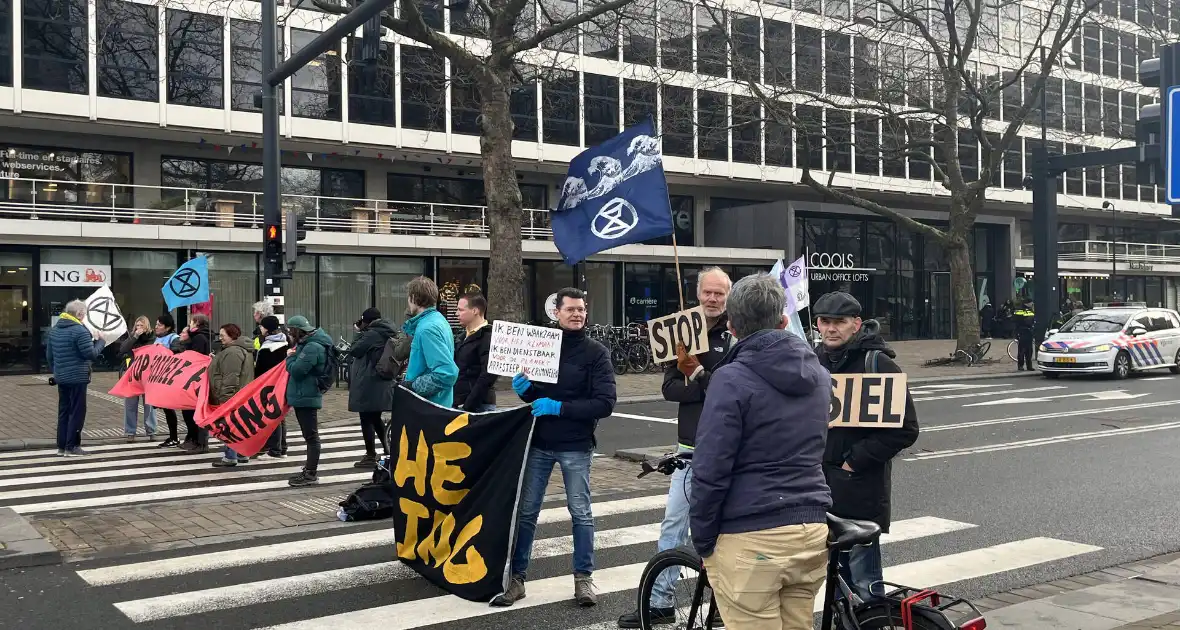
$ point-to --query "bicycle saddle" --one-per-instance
(845, 533)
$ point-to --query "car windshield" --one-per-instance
(1096, 322)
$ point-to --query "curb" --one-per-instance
(21, 444)
(21, 545)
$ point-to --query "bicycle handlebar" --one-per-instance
(667, 464)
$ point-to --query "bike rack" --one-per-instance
(907, 606)
(911, 597)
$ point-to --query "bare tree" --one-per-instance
(491, 71)
(930, 87)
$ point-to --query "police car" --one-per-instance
(1115, 338)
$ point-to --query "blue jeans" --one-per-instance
(861, 567)
(231, 456)
(673, 533)
(575, 473)
(131, 416)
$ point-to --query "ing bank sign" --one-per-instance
(75, 275)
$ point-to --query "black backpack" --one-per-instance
(372, 501)
(326, 380)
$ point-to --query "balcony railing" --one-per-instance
(1101, 251)
(160, 205)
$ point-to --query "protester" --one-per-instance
(685, 382)
(368, 394)
(260, 310)
(230, 370)
(476, 388)
(165, 335)
(857, 462)
(195, 337)
(431, 372)
(759, 501)
(272, 352)
(305, 363)
(141, 335)
(567, 413)
(70, 350)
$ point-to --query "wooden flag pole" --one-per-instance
(676, 262)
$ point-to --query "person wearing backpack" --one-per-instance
(370, 393)
(309, 366)
(858, 461)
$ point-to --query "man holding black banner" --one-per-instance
(857, 461)
(685, 382)
(567, 413)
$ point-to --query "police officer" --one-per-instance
(1023, 317)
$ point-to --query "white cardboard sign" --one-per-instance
(533, 350)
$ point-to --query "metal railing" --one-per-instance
(44, 199)
(1101, 251)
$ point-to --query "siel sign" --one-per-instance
(75, 275)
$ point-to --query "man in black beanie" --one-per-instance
(368, 393)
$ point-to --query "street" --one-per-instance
(1014, 481)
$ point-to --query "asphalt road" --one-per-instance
(1045, 478)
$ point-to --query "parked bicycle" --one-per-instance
(902, 607)
(974, 354)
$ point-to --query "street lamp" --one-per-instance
(1114, 248)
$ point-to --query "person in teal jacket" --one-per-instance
(431, 372)
(306, 360)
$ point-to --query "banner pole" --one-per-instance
(676, 261)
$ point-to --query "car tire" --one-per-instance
(1175, 369)
(1052, 375)
(1122, 366)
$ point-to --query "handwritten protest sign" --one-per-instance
(534, 350)
(868, 401)
(686, 327)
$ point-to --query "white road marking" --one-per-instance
(1042, 416)
(631, 416)
(1113, 394)
(947, 387)
(975, 394)
(1060, 439)
(185, 565)
(1156, 378)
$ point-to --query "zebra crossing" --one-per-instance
(39, 482)
(348, 577)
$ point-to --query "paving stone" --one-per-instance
(1042, 615)
(1127, 601)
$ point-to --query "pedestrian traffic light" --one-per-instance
(1149, 167)
(296, 232)
(272, 240)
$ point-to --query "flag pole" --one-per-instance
(676, 261)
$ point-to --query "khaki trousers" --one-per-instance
(768, 580)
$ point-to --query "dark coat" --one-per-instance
(70, 350)
(197, 342)
(585, 388)
(864, 492)
(231, 369)
(130, 345)
(475, 386)
(270, 354)
(760, 443)
(303, 369)
(691, 396)
(367, 391)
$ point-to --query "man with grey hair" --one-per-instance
(758, 510)
(261, 310)
(70, 350)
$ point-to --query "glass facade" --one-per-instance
(74, 177)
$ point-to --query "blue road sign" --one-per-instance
(1172, 147)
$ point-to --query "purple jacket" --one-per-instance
(760, 441)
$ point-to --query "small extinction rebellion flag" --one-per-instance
(456, 479)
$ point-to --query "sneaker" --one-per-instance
(225, 463)
(169, 443)
(76, 452)
(61, 452)
(151, 437)
(368, 461)
(514, 593)
(659, 617)
(303, 479)
(243, 459)
(187, 446)
(584, 592)
(130, 438)
(276, 454)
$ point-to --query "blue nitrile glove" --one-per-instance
(520, 384)
(546, 407)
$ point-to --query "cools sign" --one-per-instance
(456, 480)
(827, 267)
(75, 275)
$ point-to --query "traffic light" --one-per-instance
(296, 232)
(272, 240)
(1162, 72)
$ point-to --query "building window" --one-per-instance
(838, 63)
(639, 37)
(602, 108)
(839, 144)
(345, 290)
(676, 35)
(55, 39)
(677, 121)
(639, 101)
(301, 186)
(469, 19)
(780, 148)
(779, 53)
(560, 108)
(865, 75)
(424, 89)
(393, 274)
(315, 88)
(75, 177)
(809, 137)
(747, 130)
(233, 281)
(464, 102)
(868, 145)
(128, 50)
(712, 126)
(523, 103)
(893, 148)
(5, 42)
(747, 48)
(809, 69)
(245, 65)
(194, 59)
(712, 41)
(370, 82)
(600, 36)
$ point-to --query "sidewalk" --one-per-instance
(28, 404)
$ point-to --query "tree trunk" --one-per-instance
(506, 271)
(958, 250)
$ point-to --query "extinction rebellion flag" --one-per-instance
(456, 479)
(181, 382)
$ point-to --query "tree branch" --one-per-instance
(872, 206)
(570, 22)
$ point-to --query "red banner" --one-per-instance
(179, 382)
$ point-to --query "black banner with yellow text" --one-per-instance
(456, 483)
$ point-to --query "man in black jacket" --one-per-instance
(567, 413)
(476, 389)
(857, 461)
(368, 394)
(685, 382)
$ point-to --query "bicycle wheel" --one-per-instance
(638, 358)
(618, 357)
(981, 350)
(692, 599)
(884, 614)
(1012, 349)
